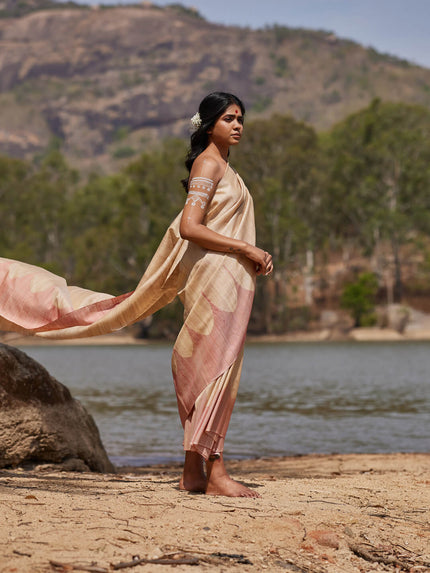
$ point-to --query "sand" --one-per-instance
(318, 513)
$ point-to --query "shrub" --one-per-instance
(124, 152)
(359, 299)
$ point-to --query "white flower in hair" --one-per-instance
(196, 120)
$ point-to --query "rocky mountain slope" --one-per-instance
(107, 82)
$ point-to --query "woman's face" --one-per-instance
(228, 128)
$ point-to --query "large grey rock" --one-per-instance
(41, 422)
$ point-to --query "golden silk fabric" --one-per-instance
(216, 289)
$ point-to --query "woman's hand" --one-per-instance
(262, 259)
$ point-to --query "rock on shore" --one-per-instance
(40, 422)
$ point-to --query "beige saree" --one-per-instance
(216, 290)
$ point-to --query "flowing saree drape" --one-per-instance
(216, 290)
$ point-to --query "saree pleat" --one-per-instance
(216, 290)
(206, 426)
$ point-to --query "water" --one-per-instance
(293, 399)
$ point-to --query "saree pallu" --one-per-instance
(216, 290)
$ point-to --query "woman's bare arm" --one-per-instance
(204, 178)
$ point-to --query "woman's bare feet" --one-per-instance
(220, 483)
(193, 477)
(217, 482)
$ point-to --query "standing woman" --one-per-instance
(218, 222)
(208, 257)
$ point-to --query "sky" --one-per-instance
(397, 27)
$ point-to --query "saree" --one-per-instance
(216, 289)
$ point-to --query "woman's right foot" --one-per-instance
(220, 483)
(224, 485)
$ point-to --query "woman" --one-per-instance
(218, 216)
(208, 258)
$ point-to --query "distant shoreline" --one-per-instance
(373, 334)
(259, 465)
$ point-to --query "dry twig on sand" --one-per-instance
(185, 559)
(77, 567)
(169, 559)
(387, 556)
(175, 559)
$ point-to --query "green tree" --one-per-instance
(14, 176)
(281, 163)
(279, 160)
(116, 222)
(33, 209)
(103, 234)
(359, 299)
(156, 178)
(379, 187)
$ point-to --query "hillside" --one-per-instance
(107, 82)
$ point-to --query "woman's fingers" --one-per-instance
(263, 261)
(266, 266)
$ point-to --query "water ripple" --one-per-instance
(293, 399)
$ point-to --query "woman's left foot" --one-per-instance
(194, 484)
(193, 477)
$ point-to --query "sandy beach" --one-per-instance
(317, 513)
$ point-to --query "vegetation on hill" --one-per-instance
(111, 81)
(19, 8)
(328, 206)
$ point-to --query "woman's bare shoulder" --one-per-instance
(209, 166)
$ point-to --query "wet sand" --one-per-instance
(318, 513)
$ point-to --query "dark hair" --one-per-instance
(210, 109)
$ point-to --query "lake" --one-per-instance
(294, 398)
